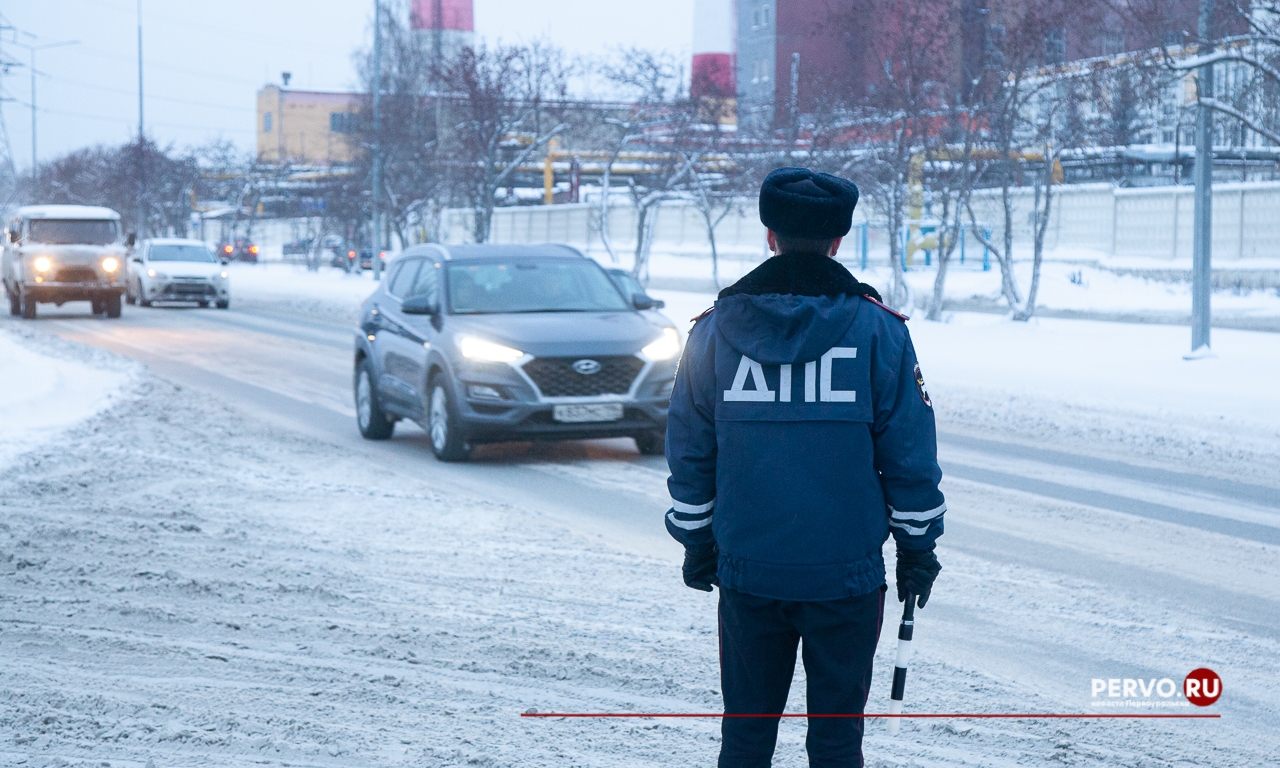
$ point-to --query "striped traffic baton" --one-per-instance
(901, 662)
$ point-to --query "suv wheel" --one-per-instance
(370, 418)
(444, 425)
(111, 305)
(97, 306)
(28, 307)
(225, 303)
(15, 304)
(651, 443)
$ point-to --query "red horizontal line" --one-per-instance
(926, 715)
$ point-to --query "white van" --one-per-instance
(60, 253)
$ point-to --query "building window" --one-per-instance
(342, 122)
(266, 122)
(1055, 46)
(760, 71)
(760, 17)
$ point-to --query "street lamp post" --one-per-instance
(376, 195)
(1201, 268)
(35, 167)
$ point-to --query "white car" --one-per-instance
(171, 269)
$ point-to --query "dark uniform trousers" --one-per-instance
(758, 639)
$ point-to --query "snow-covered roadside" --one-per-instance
(1070, 280)
(1117, 389)
(233, 594)
(328, 293)
(46, 394)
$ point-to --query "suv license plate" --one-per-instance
(579, 414)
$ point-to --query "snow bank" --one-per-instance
(329, 292)
(45, 395)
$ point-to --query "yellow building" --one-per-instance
(306, 127)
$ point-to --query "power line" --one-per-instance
(125, 121)
(151, 96)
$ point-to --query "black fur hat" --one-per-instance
(800, 203)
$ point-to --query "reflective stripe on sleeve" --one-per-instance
(911, 529)
(930, 514)
(692, 509)
(688, 525)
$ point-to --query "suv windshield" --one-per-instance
(73, 231)
(180, 253)
(531, 286)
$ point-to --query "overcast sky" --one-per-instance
(204, 61)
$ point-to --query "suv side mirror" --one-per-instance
(14, 236)
(420, 305)
(644, 301)
(131, 240)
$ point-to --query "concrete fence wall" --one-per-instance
(1155, 222)
(1151, 223)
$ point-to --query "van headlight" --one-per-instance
(474, 348)
(664, 347)
(110, 264)
(42, 264)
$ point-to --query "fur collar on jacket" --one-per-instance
(800, 276)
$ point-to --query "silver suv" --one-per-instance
(61, 253)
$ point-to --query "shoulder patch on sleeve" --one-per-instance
(708, 311)
(924, 393)
(887, 308)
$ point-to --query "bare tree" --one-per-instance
(652, 81)
(112, 177)
(505, 104)
(897, 121)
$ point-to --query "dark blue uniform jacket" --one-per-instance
(800, 435)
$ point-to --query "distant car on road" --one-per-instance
(239, 250)
(366, 258)
(488, 343)
(170, 269)
(61, 253)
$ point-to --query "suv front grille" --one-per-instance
(76, 275)
(556, 377)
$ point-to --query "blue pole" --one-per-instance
(906, 240)
(986, 252)
(962, 244)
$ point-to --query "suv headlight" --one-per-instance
(474, 348)
(42, 264)
(157, 275)
(664, 347)
(110, 264)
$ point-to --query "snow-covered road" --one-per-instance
(252, 583)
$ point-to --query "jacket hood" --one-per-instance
(775, 329)
(790, 309)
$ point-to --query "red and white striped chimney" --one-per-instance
(455, 19)
(713, 48)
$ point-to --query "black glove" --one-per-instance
(917, 568)
(699, 568)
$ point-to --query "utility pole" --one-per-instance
(377, 141)
(35, 166)
(795, 98)
(142, 161)
(1201, 269)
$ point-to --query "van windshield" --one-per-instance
(493, 287)
(200, 253)
(73, 231)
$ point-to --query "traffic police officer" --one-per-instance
(800, 436)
